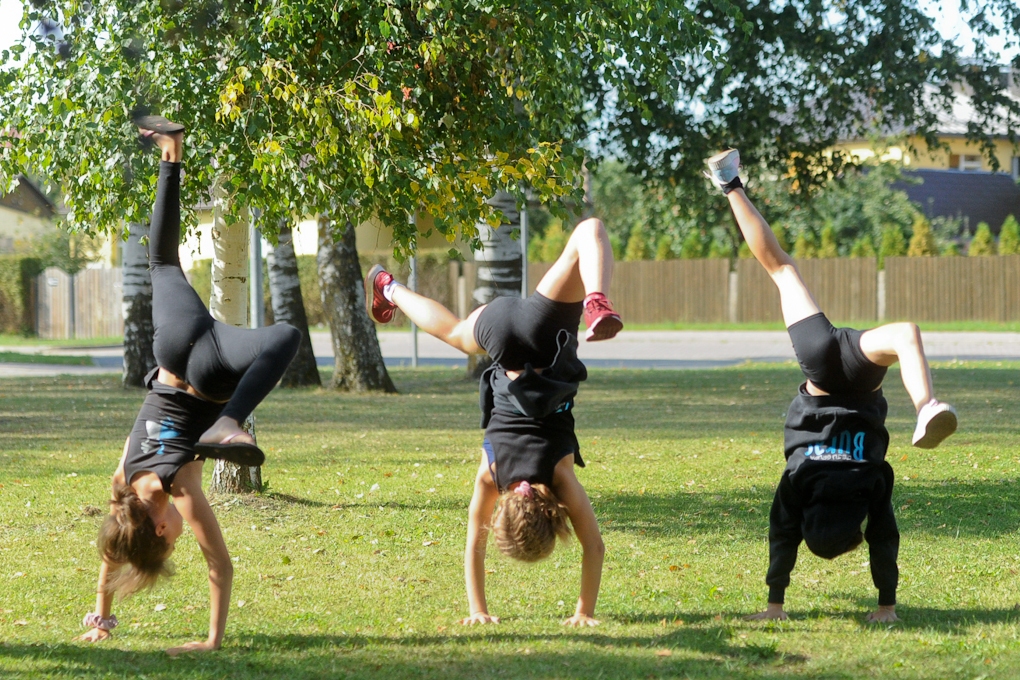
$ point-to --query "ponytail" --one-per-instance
(128, 540)
(526, 527)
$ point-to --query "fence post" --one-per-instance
(881, 294)
(733, 292)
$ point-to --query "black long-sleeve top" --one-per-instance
(836, 470)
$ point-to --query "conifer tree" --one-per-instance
(828, 247)
(1009, 237)
(983, 242)
(922, 243)
(804, 247)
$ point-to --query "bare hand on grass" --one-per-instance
(204, 646)
(580, 621)
(479, 618)
(884, 614)
(95, 635)
(774, 612)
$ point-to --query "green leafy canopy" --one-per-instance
(352, 109)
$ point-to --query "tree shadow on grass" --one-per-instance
(707, 651)
(954, 620)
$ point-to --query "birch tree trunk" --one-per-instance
(137, 306)
(229, 304)
(499, 265)
(289, 307)
(359, 361)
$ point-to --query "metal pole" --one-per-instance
(524, 248)
(256, 302)
(414, 328)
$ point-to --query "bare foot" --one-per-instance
(172, 146)
(223, 428)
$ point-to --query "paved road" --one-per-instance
(631, 349)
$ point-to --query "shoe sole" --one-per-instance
(239, 454)
(940, 426)
(370, 290)
(604, 328)
(719, 156)
(158, 124)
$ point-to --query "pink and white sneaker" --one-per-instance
(603, 323)
(379, 308)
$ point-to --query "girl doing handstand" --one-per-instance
(836, 475)
(526, 473)
(210, 377)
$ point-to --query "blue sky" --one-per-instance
(947, 15)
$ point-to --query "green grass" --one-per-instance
(20, 358)
(340, 580)
(11, 340)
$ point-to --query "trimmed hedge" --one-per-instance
(16, 300)
(433, 280)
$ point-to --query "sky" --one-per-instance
(947, 13)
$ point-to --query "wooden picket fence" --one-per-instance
(86, 305)
(848, 290)
(89, 304)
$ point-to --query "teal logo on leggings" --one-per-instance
(158, 433)
(844, 446)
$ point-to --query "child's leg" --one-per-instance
(583, 271)
(901, 342)
(434, 318)
(584, 267)
(383, 295)
(796, 299)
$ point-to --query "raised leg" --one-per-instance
(583, 271)
(584, 267)
(797, 301)
(901, 342)
(437, 320)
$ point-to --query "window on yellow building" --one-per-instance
(1016, 167)
(966, 162)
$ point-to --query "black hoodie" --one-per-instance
(836, 476)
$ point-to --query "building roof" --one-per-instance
(27, 198)
(972, 196)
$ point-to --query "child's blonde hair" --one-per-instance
(128, 537)
(526, 526)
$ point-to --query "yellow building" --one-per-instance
(962, 154)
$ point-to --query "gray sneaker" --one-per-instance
(935, 422)
(723, 167)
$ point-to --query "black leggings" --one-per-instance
(224, 363)
(832, 358)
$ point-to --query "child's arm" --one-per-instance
(483, 502)
(194, 507)
(784, 539)
(586, 527)
(884, 546)
(104, 598)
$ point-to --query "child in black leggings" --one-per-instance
(836, 475)
(526, 472)
(210, 376)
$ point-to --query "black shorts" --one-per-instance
(832, 358)
(515, 332)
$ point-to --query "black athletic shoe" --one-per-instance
(239, 453)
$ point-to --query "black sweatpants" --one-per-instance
(237, 365)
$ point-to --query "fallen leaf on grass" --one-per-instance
(664, 652)
(428, 543)
(21, 622)
(159, 607)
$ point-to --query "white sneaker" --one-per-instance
(723, 167)
(935, 422)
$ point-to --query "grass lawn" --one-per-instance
(21, 358)
(350, 564)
